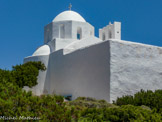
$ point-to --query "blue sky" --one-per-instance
(22, 22)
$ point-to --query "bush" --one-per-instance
(148, 98)
(124, 113)
(15, 102)
(87, 102)
(23, 75)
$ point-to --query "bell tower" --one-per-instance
(111, 31)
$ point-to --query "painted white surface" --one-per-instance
(104, 70)
(86, 29)
(43, 50)
(134, 66)
(84, 72)
(69, 15)
(39, 88)
(53, 30)
(111, 31)
(91, 40)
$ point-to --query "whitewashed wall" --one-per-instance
(105, 70)
(52, 30)
(39, 88)
(133, 67)
(84, 72)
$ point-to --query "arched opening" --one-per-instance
(103, 36)
(79, 33)
(110, 35)
(91, 33)
(62, 31)
(68, 97)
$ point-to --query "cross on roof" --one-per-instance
(70, 6)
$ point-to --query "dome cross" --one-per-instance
(70, 6)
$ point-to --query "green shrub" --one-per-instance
(83, 103)
(124, 113)
(148, 98)
(26, 74)
(23, 75)
(15, 102)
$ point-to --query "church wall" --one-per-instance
(134, 67)
(117, 30)
(84, 72)
(52, 45)
(61, 43)
(111, 31)
(78, 44)
(86, 28)
(58, 43)
(48, 33)
(53, 30)
(67, 30)
(39, 88)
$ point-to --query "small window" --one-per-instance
(62, 31)
(110, 35)
(90, 32)
(103, 36)
(68, 97)
(79, 33)
(78, 36)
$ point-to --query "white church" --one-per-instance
(80, 64)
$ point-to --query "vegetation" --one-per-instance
(82, 103)
(91, 110)
(120, 114)
(147, 98)
(23, 75)
(15, 102)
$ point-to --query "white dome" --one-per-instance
(43, 50)
(69, 15)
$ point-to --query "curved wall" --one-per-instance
(39, 88)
